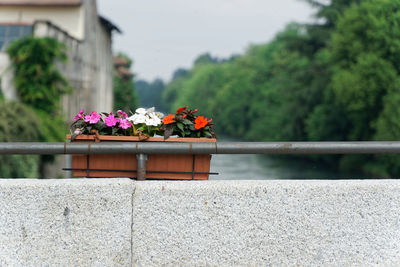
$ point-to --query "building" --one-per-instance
(87, 35)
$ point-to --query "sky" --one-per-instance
(163, 35)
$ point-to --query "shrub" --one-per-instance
(18, 123)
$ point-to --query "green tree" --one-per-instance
(363, 92)
(18, 123)
(337, 79)
(37, 81)
(125, 96)
(40, 86)
(205, 58)
(150, 94)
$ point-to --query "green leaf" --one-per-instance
(180, 126)
(208, 134)
(186, 122)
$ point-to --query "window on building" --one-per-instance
(10, 33)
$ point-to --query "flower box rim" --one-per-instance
(136, 139)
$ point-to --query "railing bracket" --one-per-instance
(141, 166)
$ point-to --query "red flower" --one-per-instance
(169, 119)
(200, 122)
(180, 110)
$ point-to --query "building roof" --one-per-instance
(108, 24)
(40, 2)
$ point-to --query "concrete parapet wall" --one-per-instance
(65, 222)
(119, 222)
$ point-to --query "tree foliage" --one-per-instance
(40, 86)
(125, 96)
(336, 79)
(37, 81)
(18, 123)
(363, 91)
(150, 93)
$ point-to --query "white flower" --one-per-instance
(140, 119)
(153, 115)
(152, 119)
(141, 111)
(150, 122)
(132, 118)
(137, 118)
(149, 117)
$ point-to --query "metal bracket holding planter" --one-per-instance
(142, 149)
(141, 166)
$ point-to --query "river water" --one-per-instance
(270, 167)
(262, 167)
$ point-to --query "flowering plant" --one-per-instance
(102, 123)
(146, 122)
(143, 123)
(185, 123)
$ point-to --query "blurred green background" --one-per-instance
(337, 79)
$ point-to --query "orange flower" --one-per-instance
(200, 122)
(180, 110)
(169, 119)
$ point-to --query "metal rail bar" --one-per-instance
(390, 147)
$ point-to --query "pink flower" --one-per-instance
(79, 115)
(87, 118)
(122, 113)
(124, 124)
(111, 120)
(94, 117)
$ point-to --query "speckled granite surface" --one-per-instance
(74, 222)
(259, 223)
(119, 222)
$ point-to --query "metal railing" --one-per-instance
(202, 148)
(141, 149)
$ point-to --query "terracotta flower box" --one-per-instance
(175, 167)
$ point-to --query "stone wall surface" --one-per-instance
(119, 222)
(65, 222)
